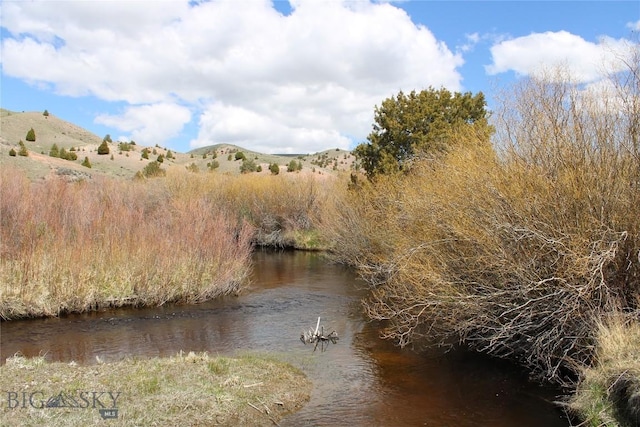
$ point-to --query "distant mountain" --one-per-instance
(125, 160)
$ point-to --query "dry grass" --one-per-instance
(80, 246)
(609, 393)
(285, 210)
(188, 389)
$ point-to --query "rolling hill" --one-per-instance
(121, 163)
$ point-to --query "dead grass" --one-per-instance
(609, 393)
(188, 389)
(81, 246)
(285, 210)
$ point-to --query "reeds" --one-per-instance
(72, 247)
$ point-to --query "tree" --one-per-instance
(12, 152)
(417, 124)
(104, 147)
(274, 168)
(248, 165)
(294, 166)
(152, 170)
(86, 163)
(31, 135)
(145, 153)
(55, 151)
(240, 155)
(160, 158)
(23, 149)
(45, 113)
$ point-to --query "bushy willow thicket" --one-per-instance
(517, 248)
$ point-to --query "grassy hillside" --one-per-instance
(51, 130)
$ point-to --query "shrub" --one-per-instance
(31, 135)
(230, 157)
(213, 165)
(54, 151)
(274, 168)
(170, 155)
(240, 156)
(160, 158)
(248, 165)
(23, 149)
(519, 252)
(45, 113)
(103, 149)
(193, 168)
(294, 166)
(12, 152)
(145, 153)
(86, 163)
(153, 170)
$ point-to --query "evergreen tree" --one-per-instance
(31, 135)
(416, 124)
(54, 151)
(86, 163)
(104, 147)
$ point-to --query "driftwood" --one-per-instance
(318, 337)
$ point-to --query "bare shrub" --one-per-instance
(516, 252)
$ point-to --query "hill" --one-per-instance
(125, 160)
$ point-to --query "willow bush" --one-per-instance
(79, 246)
(517, 249)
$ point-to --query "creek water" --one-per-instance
(359, 381)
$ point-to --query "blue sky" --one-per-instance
(282, 77)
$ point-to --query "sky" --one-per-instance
(297, 76)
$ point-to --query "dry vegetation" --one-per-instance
(80, 246)
(285, 210)
(609, 394)
(188, 389)
(518, 251)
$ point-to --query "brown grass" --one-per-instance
(609, 393)
(79, 246)
(188, 389)
(285, 210)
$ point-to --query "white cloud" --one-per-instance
(307, 79)
(634, 26)
(149, 124)
(583, 60)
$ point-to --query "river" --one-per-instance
(359, 381)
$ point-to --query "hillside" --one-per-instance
(51, 130)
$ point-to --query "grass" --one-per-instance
(609, 393)
(286, 211)
(188, 389)
(73, 247)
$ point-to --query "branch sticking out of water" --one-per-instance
(318, 336)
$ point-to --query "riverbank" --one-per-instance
(187, 389)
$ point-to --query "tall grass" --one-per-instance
(78, 246)
(285, 211)
(609, 394)
(517, 251)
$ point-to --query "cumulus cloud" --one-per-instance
(299, 82)
(149, 124)
(583, 60)
(634, 26)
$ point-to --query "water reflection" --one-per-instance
(360, 380)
